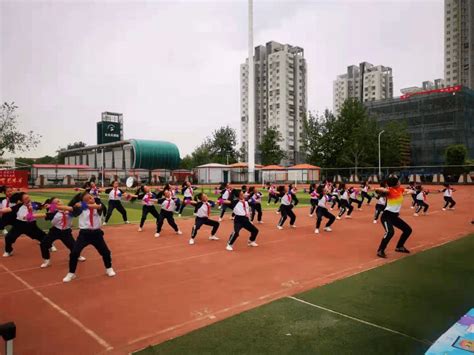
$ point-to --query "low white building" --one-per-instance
(274, 174)
(305, 173)
(212, 173)
(56, 174)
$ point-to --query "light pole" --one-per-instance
(251, 98)
(380, 157)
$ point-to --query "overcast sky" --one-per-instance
(172, 67)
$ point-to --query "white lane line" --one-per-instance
(423, 341)
(74, 320)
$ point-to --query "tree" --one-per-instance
(186, 162)
(222, 145)
(395, 144)
(357, 131)
(270, 147)
(455, 154)
(11, 139)
(47, 160)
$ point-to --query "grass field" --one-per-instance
(399, 308)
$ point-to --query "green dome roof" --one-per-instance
(151, 155)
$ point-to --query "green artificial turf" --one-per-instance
(420, 296)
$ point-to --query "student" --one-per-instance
(293, 190)
(202, 211)
(148, 200)
(391, 217)
(322, 210)
(168, 207)
(95, 191)
(286, 207)
(353, 194)
(365, 187)
(7, 218)
(241, 210)
(335, 198)
(273, 194)
(61, 221)
(115, 197)
(345, 205)
(421, 196)
(381, 202)
(226, 194)
(255, 201)
(313, 198)
(26, 213)
(188, 193)
(448, 197)
(412, 188)
(88, 213)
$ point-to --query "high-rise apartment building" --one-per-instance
(459, 42)
(365, 82)
(280, 97)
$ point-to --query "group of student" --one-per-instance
(21, 213)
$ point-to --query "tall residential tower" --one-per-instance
(365, 82)
(280, 97)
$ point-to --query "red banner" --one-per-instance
(448, 89)
(14, 178)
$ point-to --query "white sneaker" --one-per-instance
(110, 272)
(179, 214)
(310, 215)
(53, 249)
(328, 229)
(69, 277)
(191, 241)
(126, 222)
(416, 214)
(280, 227)
(277, 212)
(220, 219)
(260, 222)
(231, 218)
(359, 209)
(4, 232)
(45, 263)
(213, 237)
(179, 232)
(452, 208)
(157, 235)
(375, 221)
(316, 231)
(349, 217)
(444, 209)
(293, 225)
(140, 229)
(412, 207)
(104, 224)
(81, 258)
(338, 217)
(252, 244)
(229, 247)
(6, 255)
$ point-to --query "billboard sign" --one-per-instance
(14, 178)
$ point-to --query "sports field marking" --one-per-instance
(423, 341)
(74, 320)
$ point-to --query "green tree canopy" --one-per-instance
(270, 147)
(11, 139)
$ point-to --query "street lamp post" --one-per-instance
(380, 157)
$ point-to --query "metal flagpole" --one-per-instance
(251, 99)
